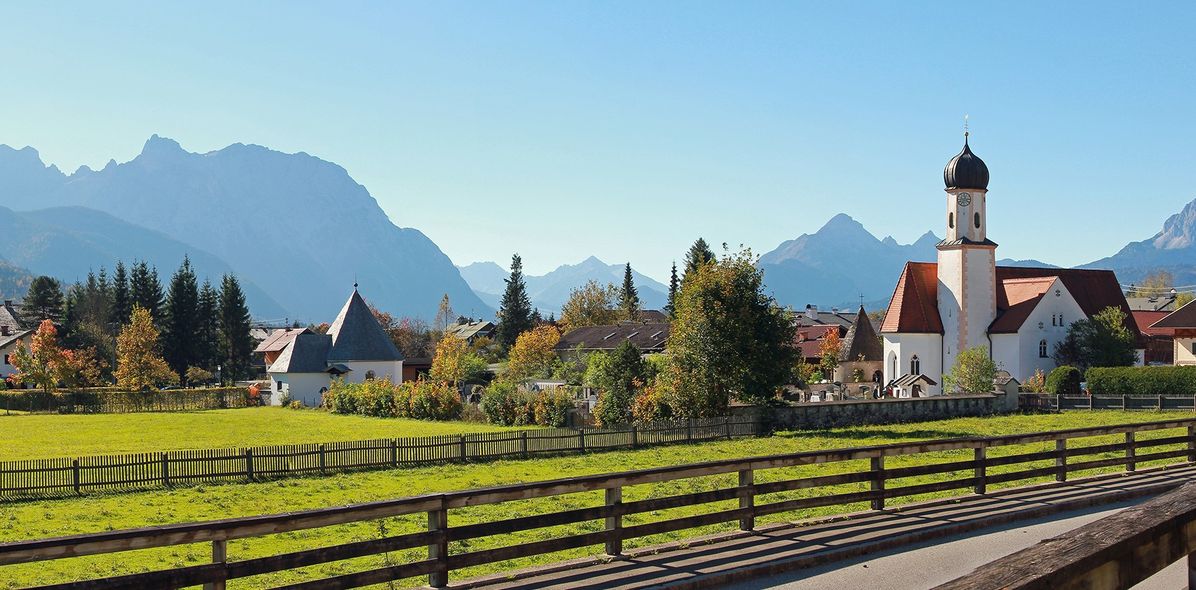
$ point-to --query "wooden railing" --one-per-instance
(1124, 402)
(1113, 553)
(101, 473)
(742, 503)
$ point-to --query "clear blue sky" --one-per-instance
(628, 129)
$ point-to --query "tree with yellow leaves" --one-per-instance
(455, 362)
(533, 354)
(139, 363)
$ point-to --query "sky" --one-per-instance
(626, 130)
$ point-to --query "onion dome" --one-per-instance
(966, 170)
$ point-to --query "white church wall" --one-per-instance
(305, 387)
(381, 370)
(950, 296)
(1039, 326)
(1005, 353)
(903, 347)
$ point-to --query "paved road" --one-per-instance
(926, 565)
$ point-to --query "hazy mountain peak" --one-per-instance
(157, 145)
(842, 223)
(1179, 231)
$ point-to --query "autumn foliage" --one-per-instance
(46, 364)
(139, 362)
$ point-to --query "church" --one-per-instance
(965, 300)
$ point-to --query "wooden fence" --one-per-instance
(760, 490)
(67, 476)
(111, 401)
(1124, 402)
(1113, 553)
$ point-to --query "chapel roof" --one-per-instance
(279, 339)
(357, 335)
(861, 341)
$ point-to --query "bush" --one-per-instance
(651, 405)
(1064, 380)
(1142, 380)
(552, 408)
(295, 405)
(431, 400)
(505, 405)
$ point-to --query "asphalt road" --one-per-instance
(925, 565)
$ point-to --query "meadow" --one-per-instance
(40, 436)
(38, 519)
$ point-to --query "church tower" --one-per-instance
(966, 258)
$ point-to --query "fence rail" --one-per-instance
(751, 497)
(67, 476)
(1124, 402)
(108, 401)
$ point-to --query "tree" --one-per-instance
(122, 302)
(444, 315)
(698, 255)
(669, 307)
(1183, 298)
(1064, 380)
(515, 309)
(455, 363)
(730, 339)
(139, 366)
(1155, 284)
(146, 290)
(43, 363)
(43, 301)
(828, 351)
(180, 339)
(629, 297)
(533, 354)
(589, 305)
(207, 346)
(87, 318)
(618, 377)
(236, 345)
(1099, 341)
(973, 372)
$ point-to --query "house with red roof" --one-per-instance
(965, 300)
(1181, 325)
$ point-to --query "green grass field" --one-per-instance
(100, 513)
(39, 436)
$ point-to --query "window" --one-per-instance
(278, 384)
(1060, 319)
(1053, 318)
(893, 363)
(3, 330)
(6, 361)
(1042, 349)
(951, 220)
(976, 217)
(915, 365)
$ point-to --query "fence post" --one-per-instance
(322, 464)
(1061, 459)
(747, 498)
(689, 430)
(249, 463)
(462, 447)
(394, 452)
(1125, 402)
(635, 435)
(981, 472)
(1192, 444)
(438, 549)
(75, 474)
(1130, 464)
(219, 555)
(165, 470)
(1160, 402)
(614, 521)
(878, 482)
(523, 443)
(727, 423)
(581, 440)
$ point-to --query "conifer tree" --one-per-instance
(180, 340)
(671, 307)
(515, 309)
(122, 304)
(207, 352)
(236, 345)
(43, 301)
(698, 254)
(629, 298)
(146, 289)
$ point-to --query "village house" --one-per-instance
(355, 349)
(647, 337)
(965, 300)
(12, 330)
(1159, 342)
(471, 331)
(1182, 325)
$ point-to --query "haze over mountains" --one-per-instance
(298, 227)
(550, 291)
(1172, 249)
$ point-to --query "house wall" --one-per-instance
(903, 347)
(1031, 334)
(305, 387)
(382, 370)
(1185, 350)
(6, 354)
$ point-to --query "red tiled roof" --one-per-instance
(1184, 317)
(1146, 322)
(1019, 298)
(914, 307)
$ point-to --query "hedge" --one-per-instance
(1064, 380)
(1142, 380)
(115, 401)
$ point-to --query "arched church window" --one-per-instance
(893, 365)
(915, 365)
(951, 220)
(1060, 319)
(1054, 318)
(1042, 349)
(976, 216)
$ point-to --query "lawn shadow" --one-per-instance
(883, 434)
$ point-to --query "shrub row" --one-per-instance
(113, 401)
(1142, 380)
(422, 400)
(1064, 380)
(505, 404)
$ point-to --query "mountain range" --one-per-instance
(297, 228)
(550, 291)
(1172, 249)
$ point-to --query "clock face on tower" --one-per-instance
(964, 199)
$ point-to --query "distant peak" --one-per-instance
(592, 261)
(842, 222)
(157, 144)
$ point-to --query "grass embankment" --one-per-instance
(40, 436)
(100, 513)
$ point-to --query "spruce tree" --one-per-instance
(629, 297)
(43, 301)
(207, 352)
(671, 306)
(122, 303)
(515, 309)
(698, 254)
(146, 289)
(236, 345)
(180, 340)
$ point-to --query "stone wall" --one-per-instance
(883, 411)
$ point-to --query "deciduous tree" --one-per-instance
(1102, 341)
(139, 365)
(43, 363)
(589, 305)
(455, 363)
(533, 354)
(828, 351)
(973, 372)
